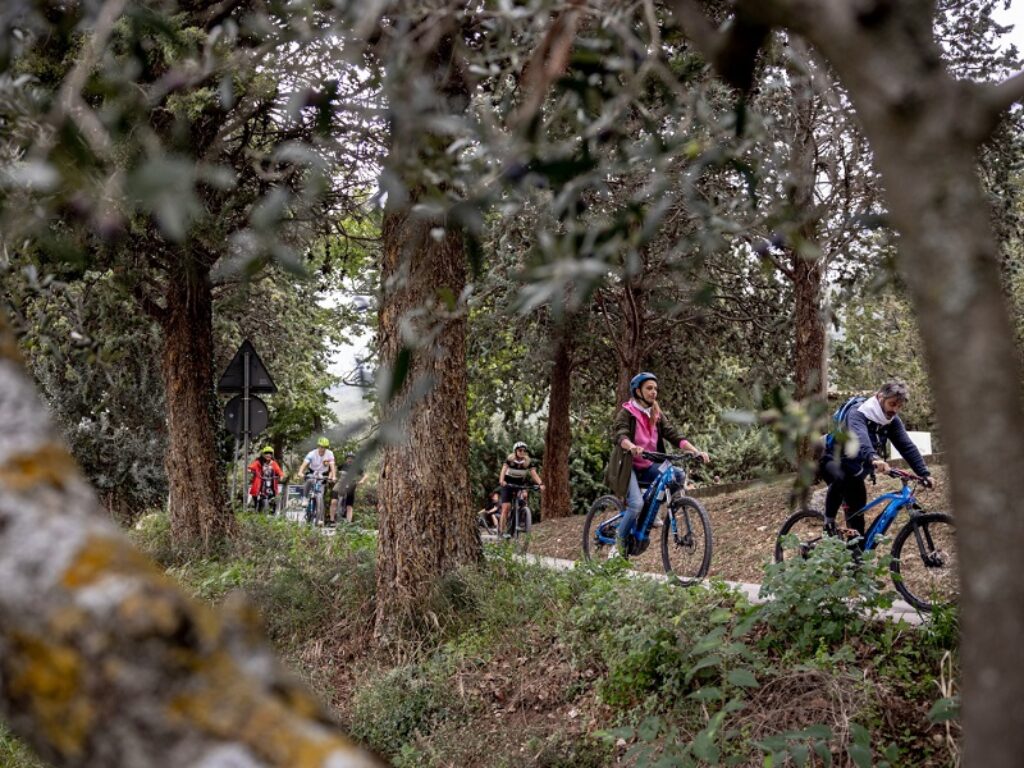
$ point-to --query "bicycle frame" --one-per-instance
(316, 489)
(667, 473)
(897, 500)
(517, 504)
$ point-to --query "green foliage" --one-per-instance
(299, 578)
(14, 753)
(661, 644)
(825, 598)
(389, 712)
(880, 341)
(96, 359)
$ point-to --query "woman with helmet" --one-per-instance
(639, 426)
(265, 475)
(513, 478)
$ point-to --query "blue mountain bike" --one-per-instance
(685, 526)
(924, 565)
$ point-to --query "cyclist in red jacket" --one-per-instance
(265, 476)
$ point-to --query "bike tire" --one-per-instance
(808, 526)
(917, 574)
(604, 510)
(521, 530)
(686, 557)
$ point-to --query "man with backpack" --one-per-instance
(866, 423)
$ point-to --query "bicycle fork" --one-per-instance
(926, 546)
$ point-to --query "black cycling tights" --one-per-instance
(851, 489)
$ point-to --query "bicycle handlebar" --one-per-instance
(673, 457)
(909, 477)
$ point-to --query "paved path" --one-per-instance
(899, 610)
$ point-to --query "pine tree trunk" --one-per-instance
(557, 498)
(427, 526)
(634, 335)
(809, 325)
(426, 522)
(198, 512)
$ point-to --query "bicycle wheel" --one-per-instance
(599, 527)
(686, 541)
(521, 529)
(807, 525)
(310, 510)
(925, 565)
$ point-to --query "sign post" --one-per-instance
(245, 414)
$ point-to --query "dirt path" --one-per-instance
(743, 523)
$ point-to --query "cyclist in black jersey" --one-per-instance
(516, 474)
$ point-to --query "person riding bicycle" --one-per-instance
(639, 426)
(318, 462)
(871, 421)
(513, 479)
(265, 473)
(492, 512)
(345, 488)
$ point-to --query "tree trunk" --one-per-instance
(632, 345)
(557, 499)
(426, 522)
(809, 362)
(807, 273)
(427, 527)
(104, 661)
(950, 262)
(197, 509)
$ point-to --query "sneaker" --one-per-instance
(657, 523)
(613, 553)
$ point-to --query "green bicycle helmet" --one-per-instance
(268, 449)
(323, 442)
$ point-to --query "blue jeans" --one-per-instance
(634, 500)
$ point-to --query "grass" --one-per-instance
(14, 753)
(530, 667)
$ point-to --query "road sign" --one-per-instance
(234, 417)
(233, 378)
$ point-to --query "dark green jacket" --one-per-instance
(620, 462)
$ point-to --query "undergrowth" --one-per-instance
(524, 666)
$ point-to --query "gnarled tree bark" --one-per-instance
(104, 661)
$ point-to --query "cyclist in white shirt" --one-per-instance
(319, 461)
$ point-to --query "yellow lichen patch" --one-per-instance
(49, 465)
(228, 706)
(66, 620)
(103, 556)
(47, 678)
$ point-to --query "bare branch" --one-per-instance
(547, 63)
(733, 53)
(1001, 97)
(69, 103)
